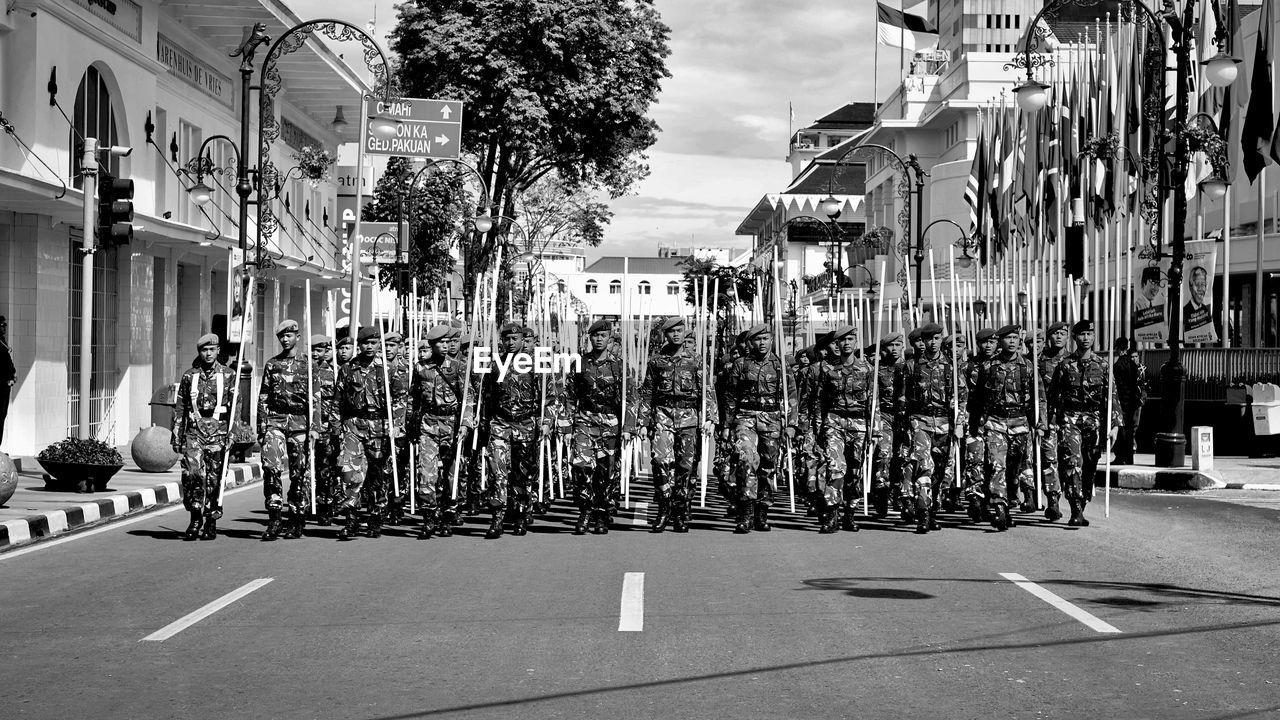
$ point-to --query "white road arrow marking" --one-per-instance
(445, 112)
(442, 140)
(190, 619)
(631, 614)
(1089, 620)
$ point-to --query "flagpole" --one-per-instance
(1226, 269)
(1257, 266)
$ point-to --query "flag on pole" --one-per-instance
(1258, 119)
(902, 29)
(973, 195)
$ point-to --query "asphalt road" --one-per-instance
(789, 624)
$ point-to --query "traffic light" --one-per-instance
(115, 210)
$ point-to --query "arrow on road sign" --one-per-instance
(442, 140)
(444, 112)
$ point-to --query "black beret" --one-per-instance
(986, 334)
(671, 323)
(1055, 327)
(842, 331)
(600, 325)
(1009, 330)
(368, 333)
(511, 329)
(930, 330)
(1082, 326)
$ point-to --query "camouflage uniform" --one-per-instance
(401, 376)
(1048, 363)
(1078, 396)
(808, 424)
(844, 390)
(754, 417)
(364, 459)
(669, 405)
(201, 434)
(593, 398)
(975, 449)
(885, 463)
(436, 398)
(512, 408)
(328, 489)
(282, 430)
(1005, 408)
(922, 388)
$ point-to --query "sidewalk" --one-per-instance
(1230, 473)
(34, 513)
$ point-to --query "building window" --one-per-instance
(615, 287)
(592, 287)
(673, 288)
(94, 117)
(645, 288)
(189, 139)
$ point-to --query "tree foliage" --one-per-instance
(553, 211)
(736, 284)
(434, 217)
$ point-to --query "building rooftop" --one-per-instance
(855, 115)
(612, 264)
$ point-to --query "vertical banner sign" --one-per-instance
(1150, 297)
(238, 300)
(1197, 290)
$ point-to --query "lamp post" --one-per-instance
(1171, 168)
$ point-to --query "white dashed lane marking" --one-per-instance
(631, 613)
(1090, 621)
(190, 619)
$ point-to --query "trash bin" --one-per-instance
(1266, 408)
(162, 404)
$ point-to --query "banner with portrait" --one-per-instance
(1150, 301)
(239, 304)
(1197, 292)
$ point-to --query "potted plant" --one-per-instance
(75, 465)
(314, 163)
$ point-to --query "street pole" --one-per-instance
(243, 188)
(354, 323)
(89, 172)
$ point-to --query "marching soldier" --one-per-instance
(809, 422)
(1078, 395)
(346, 349)
(436, 394)
(593, 417)
(365, 457)
(283, 408)
(669, 406)
(844, 387)
(923, 391)
(1050, 355)
(884, 432)
(325, 432)
(975, 449)
(1006, 413)
(916, 343)
(400, 373)
(512, 408)
(201, 432)
(755, 420)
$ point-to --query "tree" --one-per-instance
(435, 219)
(556, 211)
(550, 86)
(736, 284)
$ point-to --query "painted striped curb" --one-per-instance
(1253, 486)
(74, 516)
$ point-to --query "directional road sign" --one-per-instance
(428, 129)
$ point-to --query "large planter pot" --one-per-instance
(77, 477)
(8, 478)
(152, 449)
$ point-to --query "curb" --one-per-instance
(33, 528)
(1253, 486)
(1147, 478)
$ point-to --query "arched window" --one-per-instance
(645, 289)
(592, 287)
(673, 288)
(94, 117)
(615, 287)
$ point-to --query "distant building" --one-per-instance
(652, 286)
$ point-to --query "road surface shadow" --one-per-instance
(853, 587)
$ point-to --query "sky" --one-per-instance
(735, 65)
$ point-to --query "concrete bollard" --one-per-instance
(1202, 448)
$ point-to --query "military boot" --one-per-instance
(922, 517)
(273, 526)
(662, 517)
(352, 526)
(444, 528)
(680, 517)
(209, 531)
(429, 522)
(975, 508)
(743, 525)
(1051, 511)
(933, 520)
(1000, 516)
(602, 519)
(375, 524)
(325, 518)
(293, 526)
(829, 520)
(762, 518)
(880, 501)
(1084, 521)
(520, 521)
(1076, 511)
(495, 524)
(584, 517)
(848, 521)
(193, 529)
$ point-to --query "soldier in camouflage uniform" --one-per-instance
(592, 414)
(1006, 415)
(436, 401)
(470, 486)
(755, 420)
(931, 416)
(513, 408)
(346, 349)
(885, 463)
(975, 449)
(1049, 355)
(669, 407)
(916, 343)
(400, 366)
(200, 436)
(1078, 396)
(283, 424)
(843, 393)
(809, 421)
(325, 433)
(365, 457)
